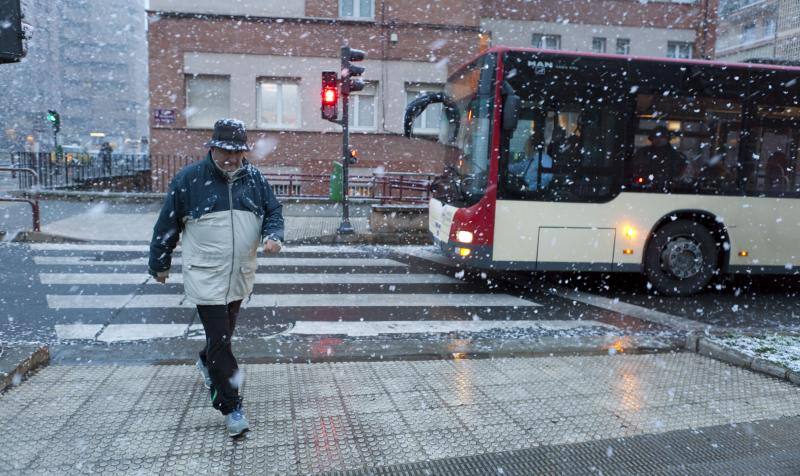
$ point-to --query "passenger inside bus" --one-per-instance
(528, 169)
(775, 172)
(659, 166)
(715, 176)
(566, 150)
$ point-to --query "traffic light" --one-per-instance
(349, 71)
(13, 34)
(353, 157)
(330, 95)
(54, 119)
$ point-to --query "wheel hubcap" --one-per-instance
(682, 257)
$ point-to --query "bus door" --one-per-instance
(770, 168)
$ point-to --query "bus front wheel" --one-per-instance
(681, 258)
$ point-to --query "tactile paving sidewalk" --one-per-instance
(310, 418)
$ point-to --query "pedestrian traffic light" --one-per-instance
(330, 95)
(353, 157)
(54, 119)
(349, 71)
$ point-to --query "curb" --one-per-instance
(24, 362)
(138, 197)
(118, 197)
(357, 239)
(739, 359)
(340, 348)
(42, 237)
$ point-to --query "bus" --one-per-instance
(683, 170)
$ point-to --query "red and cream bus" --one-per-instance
(563, 161)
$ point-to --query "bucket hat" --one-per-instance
(229, 134)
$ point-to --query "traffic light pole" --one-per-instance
(347, 85)
(345, 228)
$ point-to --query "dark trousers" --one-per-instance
(219, 323)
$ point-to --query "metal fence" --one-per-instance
(152, 173)
(84, 171)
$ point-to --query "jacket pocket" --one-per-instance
(206, 281)
(243, 279)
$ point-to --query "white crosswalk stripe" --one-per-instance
(114, 301)
(133, 332)
(265, 278)
(145, 248)
(297, 262)
(374, 328)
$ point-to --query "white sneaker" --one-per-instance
(236, 423)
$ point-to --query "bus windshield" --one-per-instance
(467, 143)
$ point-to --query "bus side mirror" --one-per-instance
(511, 108)
(420, 103)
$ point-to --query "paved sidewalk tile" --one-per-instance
(313, 418)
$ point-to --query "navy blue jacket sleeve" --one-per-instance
(167, 230)
(273, 216)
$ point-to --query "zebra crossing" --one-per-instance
(102, 292)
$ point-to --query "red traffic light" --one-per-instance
(330, 95)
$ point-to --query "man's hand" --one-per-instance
(161, 279)
(271, 247)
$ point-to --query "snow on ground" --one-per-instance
(783, 350)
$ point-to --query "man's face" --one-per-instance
(227, 160)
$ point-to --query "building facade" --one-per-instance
(759, 29)
(747, 29)
(261, 62)
(87, 60)
(676, 29)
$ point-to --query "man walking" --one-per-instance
(224, 209)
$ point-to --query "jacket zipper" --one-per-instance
(233, 241)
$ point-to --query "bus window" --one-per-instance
(563, 153)
(530, 165)
(685, 144)
(774, 138)
(568, 141)
(466, 157)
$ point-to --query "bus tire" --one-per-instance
(681, 258)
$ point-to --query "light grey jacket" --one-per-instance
(222, 222)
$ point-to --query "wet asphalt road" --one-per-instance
(27, 315)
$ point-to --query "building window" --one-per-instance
(679, 49)
(429, 121)
(361, 9)
(623, 46)
(548, 42)
(769, 27)
(598, 45)
(208, 98)
(278, 104)
(749, 32)
(362, 108)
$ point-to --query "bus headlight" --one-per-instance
(464, 236)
